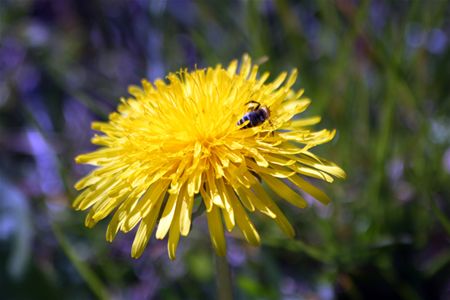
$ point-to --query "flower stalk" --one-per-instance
(223, 278)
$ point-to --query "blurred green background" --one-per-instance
(377, 71)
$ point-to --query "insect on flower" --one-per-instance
(175, 142)
(256, 115)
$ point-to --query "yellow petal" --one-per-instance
(260, 160)
(279, 172)
(290, 109)
(174, 236)
(186, 214)
(216, 230)
(103, 209)
(229, 215)
(259, 204)
(206, 199)
(129, 217)
(120, 215)
(291, 80)
(87, 181)
(262, 79)
(94, 194)
(282, 149)
(98, 157)
(212, 189)
(299, 93)
(113, 227)
(145, 231)
(242, 219)
(244, 199)
(304, 122)
(279, 160)
(310, 189)
(311, 172)
(280, 218)
(218, 169)
(245, 66)
(194, 182)
(253, 73)
(284, 191)
(328, 166)
(166, 218)
(305, 137)
(229, 220)
(157, 194)
(145, 203)
(295, 106)
(323, 166)
(232, 67)
(278, 81)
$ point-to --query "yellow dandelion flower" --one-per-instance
(217, 132)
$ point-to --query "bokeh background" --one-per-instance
(377, 71)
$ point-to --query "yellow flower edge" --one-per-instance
(179, 138)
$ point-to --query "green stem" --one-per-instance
(445, 222)
(223, 277)
(85, 272)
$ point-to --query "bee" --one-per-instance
(256, 115)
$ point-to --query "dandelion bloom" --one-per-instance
(186, 136)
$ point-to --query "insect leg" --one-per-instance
(258, 105)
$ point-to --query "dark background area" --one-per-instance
(377, 71)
